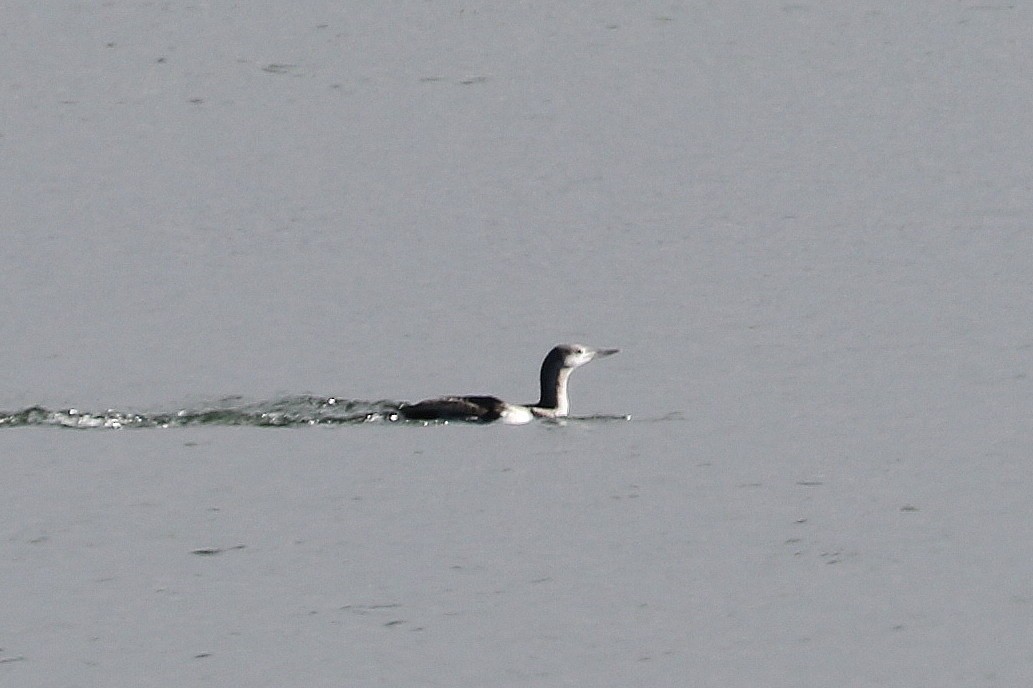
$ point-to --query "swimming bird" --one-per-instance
(553, 402)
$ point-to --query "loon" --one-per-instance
(553, 403)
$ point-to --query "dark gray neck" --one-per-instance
(554, 385)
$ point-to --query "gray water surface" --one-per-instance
(807, 226)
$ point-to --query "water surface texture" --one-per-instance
(284, 412)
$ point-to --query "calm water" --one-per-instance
(809, 238)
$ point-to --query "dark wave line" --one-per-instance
(284, 412)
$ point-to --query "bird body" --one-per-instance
(554, 401)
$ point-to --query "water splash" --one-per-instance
(290, 411)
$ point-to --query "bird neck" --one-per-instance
(554, 389)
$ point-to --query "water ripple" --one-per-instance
(284, 412)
